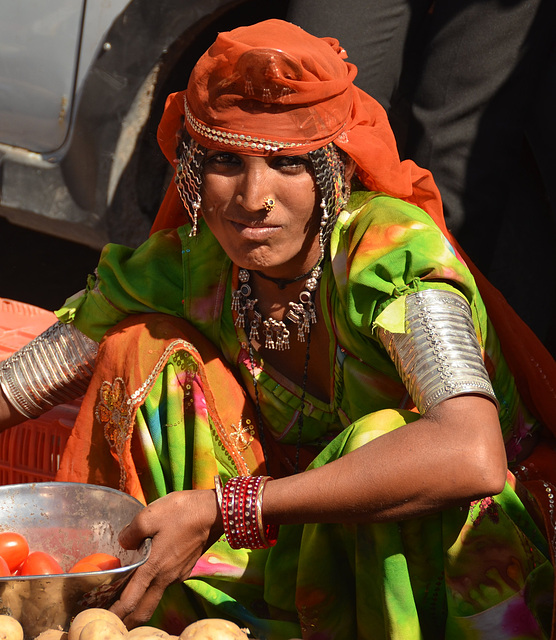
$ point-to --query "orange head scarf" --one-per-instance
(272, 88)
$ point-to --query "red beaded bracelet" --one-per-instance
(240, 502)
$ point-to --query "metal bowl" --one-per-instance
(69, 521)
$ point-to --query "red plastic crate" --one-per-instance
(31, 451)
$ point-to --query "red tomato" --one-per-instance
(104, 561)
(4, 569)
(13, 548)
(39, 563)
(83, 567)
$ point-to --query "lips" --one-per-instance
(254, 229)
(251, 223)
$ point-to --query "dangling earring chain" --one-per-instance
(188, 180)
(194, 218)
(276, 334)
(323, 223)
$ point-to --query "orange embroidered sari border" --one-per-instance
(131, 357)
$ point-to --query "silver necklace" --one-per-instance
(276, 333)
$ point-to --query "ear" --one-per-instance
(350, 168)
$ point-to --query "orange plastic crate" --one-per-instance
(31, 451)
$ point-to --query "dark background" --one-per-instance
(40, 269)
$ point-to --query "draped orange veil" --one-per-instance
(272, 88)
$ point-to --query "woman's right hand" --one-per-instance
(182, 525)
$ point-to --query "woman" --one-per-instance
(336, 347)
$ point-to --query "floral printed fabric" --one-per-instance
(477, 572)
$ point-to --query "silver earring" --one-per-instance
(194, 217)
(323, 224)
(346, 192)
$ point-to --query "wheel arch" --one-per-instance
(112, 165)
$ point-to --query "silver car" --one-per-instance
(82, 87)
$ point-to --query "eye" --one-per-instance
(222, 159)
(292, 163)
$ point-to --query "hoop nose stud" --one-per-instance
(269, 204)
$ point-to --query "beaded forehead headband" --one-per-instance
(238, 140)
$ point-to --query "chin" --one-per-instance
(275, 262)
(256, 265)
(256, 260)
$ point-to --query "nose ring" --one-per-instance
(269, 204)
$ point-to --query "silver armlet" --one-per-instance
(438, 356)
(54, 368)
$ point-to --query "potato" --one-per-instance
(53, 634)
(100, 629)
(213, 629)
(13, 605)
(88, 615)
(10, 629)
(148, 633)
(40, 610)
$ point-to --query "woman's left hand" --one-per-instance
(182, 526)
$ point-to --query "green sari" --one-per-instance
(172, 401)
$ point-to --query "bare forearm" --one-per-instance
(414, 470)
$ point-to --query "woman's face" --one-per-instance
(282, 242)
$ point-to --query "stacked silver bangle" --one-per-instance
(438, 356)
(54, 368)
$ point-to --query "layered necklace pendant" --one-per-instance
(276, 333)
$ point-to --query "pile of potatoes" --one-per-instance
(101, 624)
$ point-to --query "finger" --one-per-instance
(145, 609)
(118, 610)
(145, 524)
(133, 534)
(137, 603)
(126, 539)
(133, 591)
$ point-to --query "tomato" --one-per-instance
(4, 569)
(39, 563)
(13, 548)
(104, 561)
(83, 567)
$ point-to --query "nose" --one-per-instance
(254, 188)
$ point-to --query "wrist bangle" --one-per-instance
(55, 367)
(240, 502)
